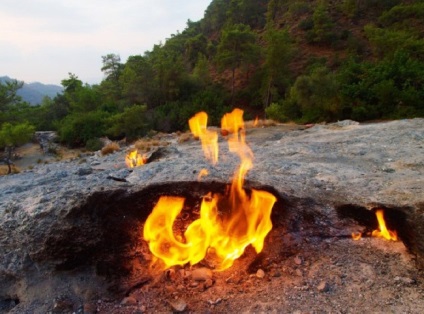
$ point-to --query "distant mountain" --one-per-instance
(33, 93)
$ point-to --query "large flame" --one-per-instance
(209, 139)
(135, 159)
(382, 231)
(227, 223)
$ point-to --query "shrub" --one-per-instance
(93, 144)
(110, 148)
(131, 123)
(76, 129)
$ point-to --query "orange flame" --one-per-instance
(134, 159)
(382, 231)
(227, 224)
(356, 236)
(256, 122)
(208, 138)
(202, 173)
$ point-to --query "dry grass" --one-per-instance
(145, 145)
(110, 148)
(260, 123)
(4, 169)
(184, 137)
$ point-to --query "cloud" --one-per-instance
(64, 36)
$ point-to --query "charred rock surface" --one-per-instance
(71, 227)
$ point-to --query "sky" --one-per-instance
(45, 40)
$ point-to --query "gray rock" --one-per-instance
(84, 171)
(54, 215)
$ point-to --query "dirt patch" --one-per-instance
(30, 155)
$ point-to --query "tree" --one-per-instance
(201, 71)
(13, 135)
(322, 31)
(279, 50)
(9, 98)
(237, 48)
(137, 82)
(112, 68)
(131, 123)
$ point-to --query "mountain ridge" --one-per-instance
(34, 92)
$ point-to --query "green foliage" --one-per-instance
(9, 99)
(201, 71)
(94, 144)
(137, 81)
(130, 123)
(322, 31)
(403, 15)
(76, 129)
(391, 88)
(237, 48)
(386, 42)
(350, 8)
(232, 49)
(298, 8)
(312, 98)
(13, 135)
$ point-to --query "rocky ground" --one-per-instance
(70, 231)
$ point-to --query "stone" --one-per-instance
(201, 274)
(129, 301)
(260, 273)
(84, 171)
(67, 203)
(178, 305)
(323, 286)
(298, 260)
(90, 308)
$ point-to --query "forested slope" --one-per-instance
(305, 61)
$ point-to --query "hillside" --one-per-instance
(302, 61)
(33, 93)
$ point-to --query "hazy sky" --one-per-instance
(44, 40)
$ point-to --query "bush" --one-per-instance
(110, 148)
(76, 129)
(132, 123)
(93, 144)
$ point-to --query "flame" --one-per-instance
(202, 173)
(382, 231)
(208, 138)
(228, 223)
(356, 236)
(256, 122)
(135, 159)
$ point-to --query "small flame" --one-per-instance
(208, 138)
(202, 173)
(356, 236)
(135, 159)
(382, 231)
(227, 224)
(256, 122)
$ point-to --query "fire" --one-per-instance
(256, 122)
(356, 236)
(227, 224)
(135, 159)
(209, 139)
(202, 173)
(382, 231)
